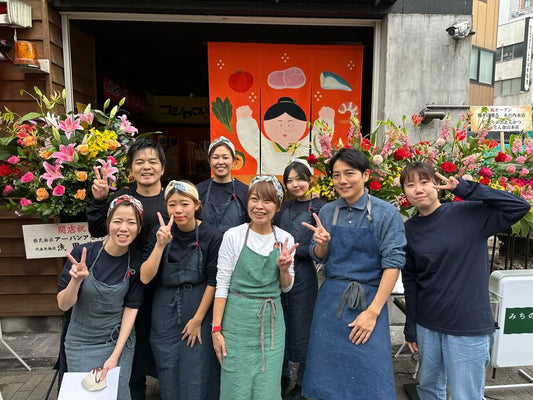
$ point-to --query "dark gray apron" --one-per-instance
(223, 216)
(95, 326)
(183, 372)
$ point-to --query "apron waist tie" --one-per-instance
(354, 294)
(261, 314)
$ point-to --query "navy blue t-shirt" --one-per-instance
(221, 192)
(110, 270)
(446, 274)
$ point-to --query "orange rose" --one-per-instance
(80, 194)
(112, 144)
(81, 176)
(29, 141)
(42, 194)
(45, 154)
(83, 149)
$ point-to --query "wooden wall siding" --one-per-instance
(480, 95)
(485, 23)
(27, 287)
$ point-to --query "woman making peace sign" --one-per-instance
(100, 281)
(183, 256)
(254, 266)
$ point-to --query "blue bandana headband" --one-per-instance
(184, 187)
(123, 199)
(273, 180)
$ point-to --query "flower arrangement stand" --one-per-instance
(11, 350)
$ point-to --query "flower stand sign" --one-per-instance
(54, 240)
(47, 157)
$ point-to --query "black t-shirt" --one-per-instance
(109, 270)
(209, 240)
(220, 192)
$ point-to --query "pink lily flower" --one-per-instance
(69, 125)
(87, 117)
(125, 125)
(52, 172)
(65, 153)
(111, 170)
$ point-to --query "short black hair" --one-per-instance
(423, 169)
(145, 143)
(352, 157)
(302, 171)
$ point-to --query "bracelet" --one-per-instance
(216, 328)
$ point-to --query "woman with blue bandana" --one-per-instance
(254, 266)
(181, 255)
(100, 281)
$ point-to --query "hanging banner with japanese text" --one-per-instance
(264, 97)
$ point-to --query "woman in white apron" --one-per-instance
(100, 281)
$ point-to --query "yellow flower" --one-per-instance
(83, 149)
(29, 141)
(45, 154)
(81, 176)
(80, 194)
(42, 194)
(112, 144)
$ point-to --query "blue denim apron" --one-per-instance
(253, 329)
(337, 368)
(299, 302)
(183, 372)
(95, 326)
(223, 216)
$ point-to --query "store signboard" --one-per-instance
(502, 118)
(526, 62)
(54, 240)
(518, 320)
(179, 110)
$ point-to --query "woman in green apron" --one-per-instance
(100, 281)
(254, 266)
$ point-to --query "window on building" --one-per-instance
(518, 50)
(498, 54)
(507, 53)
(482, 66)
(507, 86)
(527, 3)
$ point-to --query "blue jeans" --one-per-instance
(459, 361)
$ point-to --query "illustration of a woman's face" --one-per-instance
(284, 129)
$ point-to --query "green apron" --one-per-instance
(254, 329)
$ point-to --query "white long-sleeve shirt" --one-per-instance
(231, 247)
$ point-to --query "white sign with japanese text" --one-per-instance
(54, 240)
(502, 118)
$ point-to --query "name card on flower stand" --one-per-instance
(54, 240)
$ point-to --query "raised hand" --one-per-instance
(78, 270)
(321, 236)
(100, 187)
(449, 183)
(164, 233)
(285, 258)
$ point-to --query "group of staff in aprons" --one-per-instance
(234, 304)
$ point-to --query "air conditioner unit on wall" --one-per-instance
(15, 13)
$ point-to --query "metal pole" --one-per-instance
(11, 350)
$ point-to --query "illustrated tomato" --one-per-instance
(241, 81)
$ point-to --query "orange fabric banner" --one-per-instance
(264, 96)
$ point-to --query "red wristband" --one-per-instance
(216, 328)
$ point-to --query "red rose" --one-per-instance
(484, 181)
(401, 154)
(485, 172)
(5, 170)
(312, 160)
(448, 167)
(374, 185)
(500, 157)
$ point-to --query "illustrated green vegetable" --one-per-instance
(223, 112)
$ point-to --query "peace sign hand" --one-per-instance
(164, 233)
(78, 270)
(100, 187)
(285, 258)
(321, 236)
(449, 183)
